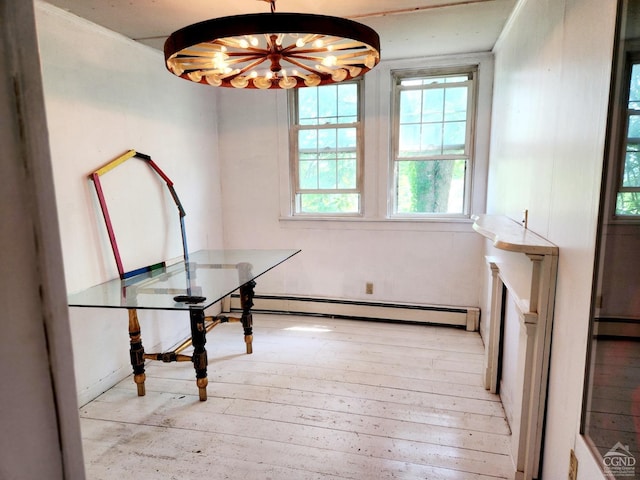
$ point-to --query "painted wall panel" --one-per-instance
(553, 64)
(105, 95)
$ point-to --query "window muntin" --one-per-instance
(628, 196)
(326, 139)
(432, 146)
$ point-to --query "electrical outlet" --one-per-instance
(369, 288)
(573, 466)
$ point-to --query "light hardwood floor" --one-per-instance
(318, 399)
(614, 415)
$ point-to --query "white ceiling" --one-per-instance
(407, 28)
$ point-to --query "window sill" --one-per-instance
(461, 224)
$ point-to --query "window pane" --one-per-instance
(410, 103)
(456, 104)
(332, 203)
(458, 79)
(347, 139)
(631, 170)
(431, 139)
(409, 141)
(634, 126)
(628, 203)
(327, 139)
(454, 137)
(347, 173)
(308, 140)
(348, 103)
(328, 104)
(430, 186)
(634, 88)
(410, 82)
(327, 174)
(307, 106)
(308, 174)
(433, 105)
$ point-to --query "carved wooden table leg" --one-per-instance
(246, 301)
(199, 357)
(136, 351)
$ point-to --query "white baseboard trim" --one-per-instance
(467, 317)
(94, 391)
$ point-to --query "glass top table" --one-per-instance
(205, 278)
(209, 276)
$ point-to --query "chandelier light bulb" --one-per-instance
(213, 80)
(239, 81)
(330, 61)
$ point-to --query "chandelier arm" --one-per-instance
(350, 55)
(184, 61)
(306, 57)
(269, 41)
(306, 67)
(227, 43)
(252, 65)
(242, 57)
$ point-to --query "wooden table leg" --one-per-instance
(136, 351)
(199, 357)
(246, 301)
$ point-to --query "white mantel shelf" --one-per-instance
(507, 234)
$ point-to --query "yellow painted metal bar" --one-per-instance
(114, 163)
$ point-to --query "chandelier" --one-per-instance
(272, 50)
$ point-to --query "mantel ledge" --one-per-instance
(507, 234)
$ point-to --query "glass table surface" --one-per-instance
(208, 274)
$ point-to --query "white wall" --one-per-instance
(428, 262)
(104, 95)
(552, 70)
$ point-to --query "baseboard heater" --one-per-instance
(464, 317)
(614, 327)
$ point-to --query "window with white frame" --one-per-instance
(326, 149)
(432, 142)
(628, 191)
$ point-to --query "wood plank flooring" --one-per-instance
(318, 399)
(614, 415)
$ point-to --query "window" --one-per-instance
(326, 149)
(628, 193)
(432, 147)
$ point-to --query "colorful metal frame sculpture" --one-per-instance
(95, 176)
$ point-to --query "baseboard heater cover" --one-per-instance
(465, 317)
